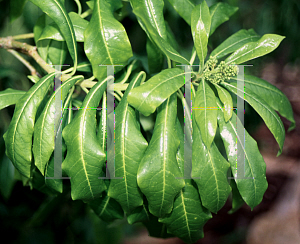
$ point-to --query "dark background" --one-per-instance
(29, 216)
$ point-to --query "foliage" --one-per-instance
(150, 184)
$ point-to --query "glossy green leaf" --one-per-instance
(56, 11)
(155, 57)
(205, 110)
(146, 14)
(101, 135)
(237, 200)
(220, 13)
(210, 173)
(110, 40)
(44, 129)
(200, 26)
(234, 42)
(272, 95)
(18, 137)
(253, 188)
(107, 208)
(265, 111)
(10, 97)
(130, 146)
(52, 31)
(188, 215)
(158, 171)
(139, 214)
(153, 13)
(16, 9)
(183, 8)
(147, 97)
(85, 157)
(226, 99)
(57, 52)
(263, 46)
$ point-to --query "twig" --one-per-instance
(23, 36)
(9, 43)
(25, 62)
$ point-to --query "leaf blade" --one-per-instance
(10, 97)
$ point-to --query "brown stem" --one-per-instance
(9, 43)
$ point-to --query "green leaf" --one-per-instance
(110, 40)
(7, 180)
(220, 13)
(210, 173)
(205, 111)
(156, 33)
(10, 97)
(139, 214)
(52, 31)
(265, 111)
(200, 26)
(147, 97)
(272, 95)
(183, 8)
(158, 171)
(57, 52)
(18, 137)
(237, 200)
(16, 9)
(253, 188)
(253, 50)
(85, 157)
(188, 215)
(153, 14)
(130, 146)
(106, 208)
(57, 12)
(235, 42)
(44, 129)
(155, 57)
(226, 99)
(102, 124)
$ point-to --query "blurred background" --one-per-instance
(30, 216)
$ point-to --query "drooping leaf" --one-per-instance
(265, 111)
(155, 57)
(158, 172)
(226, 99)
(57, 12)
(205, 110)
(254, 186)
(155, 31)
(130, 146)
(188, 215)
(139, 214)
(44, 129)
(107, 208)
(183, 8)
(52, 31)
(18, 137)
(16, 9)
(272, 95)
(153, 13)
(234, 42)
(10, 97)
(237, 200)
(200, 26)
(7, 180)
(85, 157)
(147, 97)
(110, 40)
(266, 44)
(210, 173)
(220, 12)
(57, 52)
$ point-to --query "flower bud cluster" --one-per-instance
(216, 73)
